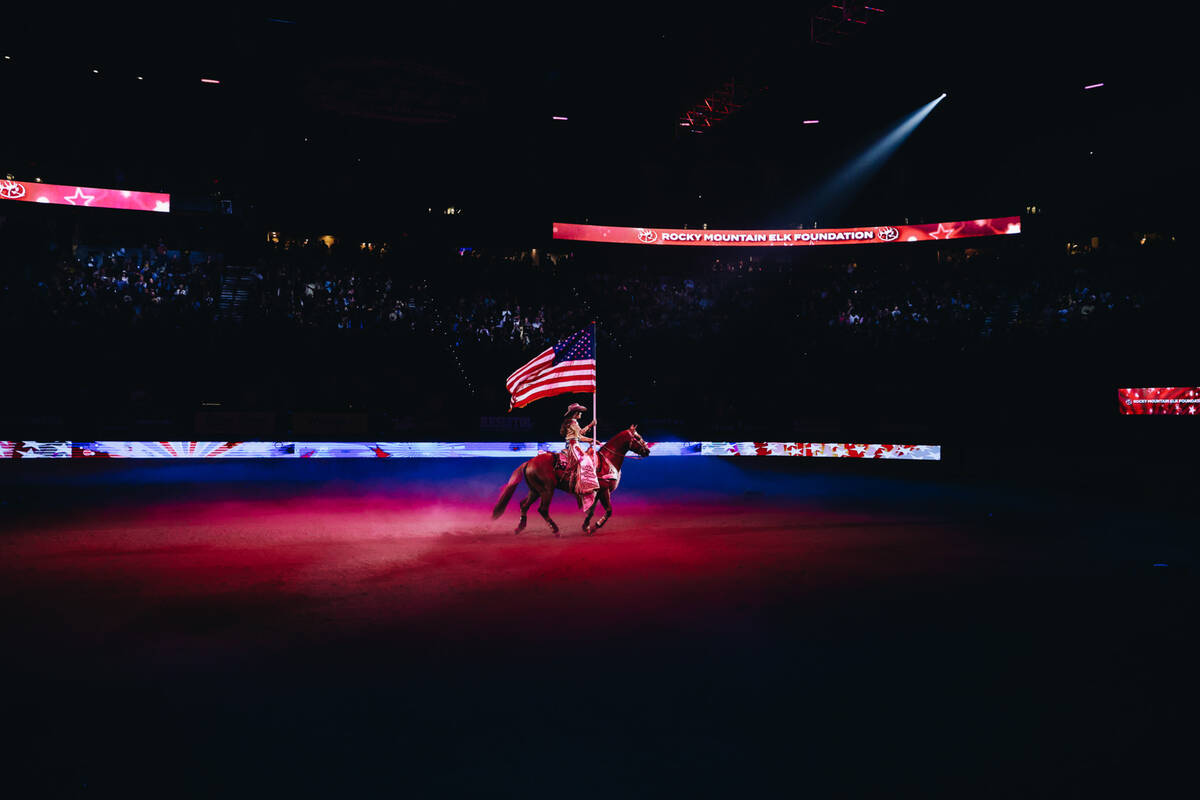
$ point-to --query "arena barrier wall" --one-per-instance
(24, 449)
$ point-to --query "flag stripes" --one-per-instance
(567, 367)
(542, 361)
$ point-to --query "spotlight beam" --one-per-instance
(840, 188)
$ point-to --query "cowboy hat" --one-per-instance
(573, 408)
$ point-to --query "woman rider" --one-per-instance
(581, 468)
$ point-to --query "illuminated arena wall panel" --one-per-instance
(1176, 400)
(914, 452)
(35, 449)
(59, 195)
(416, 449)
(792, 237)
(182, 449)
(25, 449)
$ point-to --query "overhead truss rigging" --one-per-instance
(835, 22)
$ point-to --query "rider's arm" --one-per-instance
(576, 433)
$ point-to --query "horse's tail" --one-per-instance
(507, 492)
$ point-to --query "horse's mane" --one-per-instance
(616, 438)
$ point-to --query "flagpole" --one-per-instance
(595, 365)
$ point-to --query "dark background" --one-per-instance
(1012, 621)
(368, 125)
(367, 119)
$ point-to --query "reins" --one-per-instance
(608, 446)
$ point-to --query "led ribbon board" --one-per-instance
(793, 237)
(1178, 400)
(26, 449)
(55, 194)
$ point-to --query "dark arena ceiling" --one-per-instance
(381, 116)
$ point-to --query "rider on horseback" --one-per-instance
(544, 475)
(581, 468)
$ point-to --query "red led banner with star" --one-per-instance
(58, 195)
(791, 237)
(1178, 400)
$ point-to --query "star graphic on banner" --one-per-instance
(945, 234)
(162, 205)
(79, 195)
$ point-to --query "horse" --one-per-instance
(543, 477)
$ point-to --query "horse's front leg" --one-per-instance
(591, 510)
(603, 495)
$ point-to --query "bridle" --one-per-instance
(632, 440)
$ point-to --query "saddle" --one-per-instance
(568, 478)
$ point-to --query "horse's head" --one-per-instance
(636, 443)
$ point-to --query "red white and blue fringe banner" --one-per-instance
(13, 449)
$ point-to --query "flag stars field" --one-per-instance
(567, 367)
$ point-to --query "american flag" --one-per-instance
(569, 366)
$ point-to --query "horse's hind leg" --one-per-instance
(544, 510)
(525, 504)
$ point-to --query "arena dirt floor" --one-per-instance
(364, 629)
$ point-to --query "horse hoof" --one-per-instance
(518, 530)
(556, 533)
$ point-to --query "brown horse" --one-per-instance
(543, 476)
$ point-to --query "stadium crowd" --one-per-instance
(123, 285)
(477, 301)
(427, 338)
